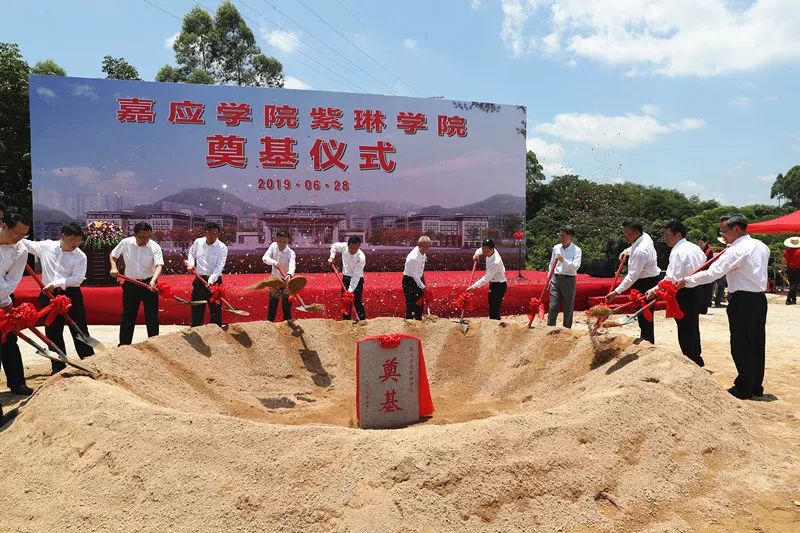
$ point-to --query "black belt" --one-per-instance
(565, 275)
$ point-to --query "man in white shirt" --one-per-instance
(495, 276)
(643, 272)
(63, 271)
(685, 258)
(567, 256)
(143, 260)
(414, 277)
(745, 265)
(207, 256)
(353, 263)
(282, 259)
(13, 257)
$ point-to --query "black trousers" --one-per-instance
(362, 314)
(691, 302)
(720, 285)
(794, 279)
(282, 298)
(55, 331)
(412, 292)
(132, 296)
(646, 328)
(708, 297)
(747, 318)
(497, 290)
(200, 292)
(11, 360)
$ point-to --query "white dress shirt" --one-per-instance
(572, 259)
(352, 264)
(744, 263)
(285, 258)
(208, 259)
(642, 263)
(59, 268)
(140, 261)
(495, 270)
(685, 258)
(12, 264)
(415, 266)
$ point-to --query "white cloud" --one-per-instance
(651, 110)
(86, 91)
(740, 102)
(623, 131)
(770, 98)
(767, 178)
(676, 38)
(285, 41)
(550, 156)
(290, 82)
(737, 168)
(170, 41)
(475, 4)
(89, 178)
(692, 187)
(44, 91)
(409, 43)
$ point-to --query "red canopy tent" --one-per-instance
(786, 224)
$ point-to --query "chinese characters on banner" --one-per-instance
(276, 151)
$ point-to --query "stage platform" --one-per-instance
(383, 295)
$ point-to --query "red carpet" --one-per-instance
(383, 296)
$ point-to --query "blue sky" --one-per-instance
(700, 96)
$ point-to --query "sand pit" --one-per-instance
(253, 430)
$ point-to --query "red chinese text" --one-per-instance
(325, 118)
(410, 123)
(454, 125)
(280, 116)
(390, 370)
(278, 152)
(369, 120)
(233, 114)
(390, 402)
(327, 154)
(186, 112)
(136, 110)
(374, 157)
(226, 150)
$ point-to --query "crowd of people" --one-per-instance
(692, 270)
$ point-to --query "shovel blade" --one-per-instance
(239, 312)
(91, 341)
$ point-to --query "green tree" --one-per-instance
(15, 143)
(119, 69)
(788, 186)
(220, 50)
(48, 67)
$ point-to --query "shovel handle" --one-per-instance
(137, 282)
(341, 282)
(49, 294)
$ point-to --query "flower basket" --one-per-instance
(101, 238)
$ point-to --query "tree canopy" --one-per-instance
(119, 69)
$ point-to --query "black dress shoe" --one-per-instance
(738, 394)
(22, 390)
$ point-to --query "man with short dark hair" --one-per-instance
(684, 259)
(63, 271)
(414, 277)
(745, 264)
(207, 256)
(13, 257)
(495, 276)
(643, 272)
(353, 263)
(567, 257)
(282, 259)
(143, 261)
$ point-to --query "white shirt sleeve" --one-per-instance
(358, 272)
(158, 255)
(117, 251)
(337, 247)
(635, 264)
(9, 282)
(78, 274)
(292, 262)
(192, 256)
(478, 252)
(487, 277)
(220, 266)
(575, 263)
(268, 259)
(718, 268)
(33, 247)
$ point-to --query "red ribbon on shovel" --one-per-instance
(58, 305)
(22, 317)
(668, 292)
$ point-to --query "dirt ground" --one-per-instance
(543, 429)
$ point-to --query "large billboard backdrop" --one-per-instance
(321, 165)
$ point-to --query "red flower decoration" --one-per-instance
(518, 235)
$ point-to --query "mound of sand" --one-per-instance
(543, 429)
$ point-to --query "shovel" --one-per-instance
(80, 335)
(540, 310)
(151, 288)
(294, 286)
(229, 308)
(341, 282)
(463, 323)
(40, 350)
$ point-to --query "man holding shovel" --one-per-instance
(353, 263)
(643, 272)
(207, 257)
(143, 262)
(281, 258)
(13, 257)
(567, 256)
(495, 276)
(414, 278)
(63, 271)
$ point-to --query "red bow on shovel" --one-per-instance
(539, 302)
(348, 301)
(427, 296)
(535, 309)
(58, 305)
(23, 316)
(217, 293)
(639, 301)
(668, 292)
